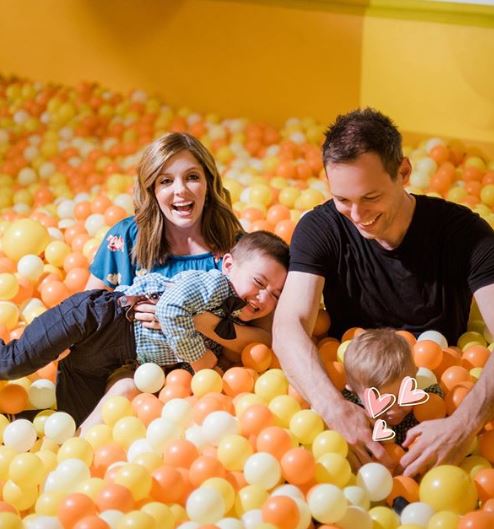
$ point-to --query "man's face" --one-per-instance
(364, 192)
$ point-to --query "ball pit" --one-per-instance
(236, 451)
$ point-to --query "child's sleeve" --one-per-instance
(192, 293)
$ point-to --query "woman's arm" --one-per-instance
(206, 322)
(95, 282)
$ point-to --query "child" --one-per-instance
(380, 358)
(96, 324)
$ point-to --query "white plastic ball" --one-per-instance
(288, 490)
(94, 223)
(55, 234)
(425, 378)
(112, 517)
(305, 516)
(149, 377)
(418, 513)
(205, 505)
(42, 522)
(179, 411)
(189, 525)
(20, 435)
(70, 473)
(262, 469)
(138, 447)
(376, 479)
(252, 518)
(230, 523)
(218, 424)
(357, 496)
(65, 209)
(160, 431)
(27, 176)
(59, 427)
(327, 503)
(30, 266)
(434, 336)
(195, 435)
(42, 394)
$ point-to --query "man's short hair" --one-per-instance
(375, 358)
(265, 243)
(361, 131)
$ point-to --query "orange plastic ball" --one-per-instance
(205, 467)
(403, 486)
(74, 507)
(115, 496)
(13, 399)
(486, 445)
(434, 408)
(427, 353)
(257, 356)
(237, 380)
(298, 466)
(274, 440)
(281, 511)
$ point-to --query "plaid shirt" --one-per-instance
(407, 423)
(189, 293)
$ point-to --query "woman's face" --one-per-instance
(181, 190)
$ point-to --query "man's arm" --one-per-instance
(448, 440)
(294, 321)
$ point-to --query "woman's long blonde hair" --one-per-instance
(219, 226)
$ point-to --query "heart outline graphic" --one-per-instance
(381, 432)
(375, 403)
(409, 395)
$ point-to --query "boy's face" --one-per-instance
(258, 280)
(396, 413)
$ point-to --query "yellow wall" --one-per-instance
(265, 62)
(431, 77)
(269, 59)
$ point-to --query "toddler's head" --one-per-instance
(257, 267)
(379, 358)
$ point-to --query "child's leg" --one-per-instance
(44, 339)
(124, 387)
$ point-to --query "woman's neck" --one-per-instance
(186, 242)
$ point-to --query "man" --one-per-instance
(382, 257)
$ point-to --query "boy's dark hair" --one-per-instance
(361, 131)
(263, 242)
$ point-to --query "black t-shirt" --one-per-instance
(425, 283)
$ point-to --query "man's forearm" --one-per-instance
(299, 359)
(478, 406)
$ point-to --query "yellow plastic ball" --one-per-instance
(56, 252)
(444, 520)
(224, 487)
(161, 513)
(9, 314)
(26, 470)
(9, 286)
(127, 430)
(9, 520)
(77, 448)
(22, 497)
(115, 408)
(384, 518)
(329, 441)
(98, 435)
(333, 468)
(233, 450)
(24, 236)
(206, 381)
(306, 425)
(136, 478)
(270, 384)
(448, 488)
(250, 497)
(284, 407)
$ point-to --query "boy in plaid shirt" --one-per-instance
(98, 326)
(380, 358)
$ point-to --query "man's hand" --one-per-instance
(352, 422)
(437, 442)
(145, 313)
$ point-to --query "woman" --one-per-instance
(183, 221)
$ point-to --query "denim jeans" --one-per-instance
(93, 326)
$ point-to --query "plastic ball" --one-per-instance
(357, 496)
(9, 315)
(262, 469)
(333, 468)
(136, 478)
(435, 336)
(115, 408)
(76, 448)
(206, 381)
(160, 431)
(306, 425)
(20, 435)
(356, 517)
(281, 511)
(329, 441)
(271, 384)
(217, 425)
(448, 488)
(327, 503)
(127, 430)
(59, 427)
(376, 480)
(26, 469)
(233, 451)
(9, 286)
(418, 513)
(24, 236)
(30, 266)
(205, 505)
(149, 378)
(42, 394)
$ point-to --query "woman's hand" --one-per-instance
(146, 314)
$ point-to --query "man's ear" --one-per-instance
(227, 263)
(405, 170)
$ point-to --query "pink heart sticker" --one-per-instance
(375, 403)
(409, 395)
(381, 432)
